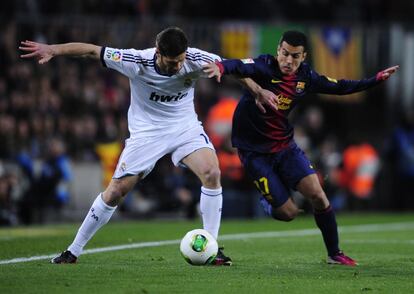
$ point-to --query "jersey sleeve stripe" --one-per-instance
(140, 61)
(137, 61)
(136, 57)
(199, 56)
(200, 59)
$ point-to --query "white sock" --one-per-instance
(211, 201)
(98, 215)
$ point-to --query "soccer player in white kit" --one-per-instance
(161, 120)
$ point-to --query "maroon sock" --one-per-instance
(326, 221)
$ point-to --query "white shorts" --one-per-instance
(141, 154)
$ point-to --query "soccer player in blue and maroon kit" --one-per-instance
(264, 137)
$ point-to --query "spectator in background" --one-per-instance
(49, 187)
(357, 175)
(237, 189)
(328, 161)
(8, 185)
(7, 136)
(401, 152)
(313, 123)
(218, 125)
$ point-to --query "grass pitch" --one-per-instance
(269, 257)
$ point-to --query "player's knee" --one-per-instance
(211, 175)
(317, 197)
(285, 215)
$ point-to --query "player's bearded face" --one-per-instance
(289, 58)
(170, 65)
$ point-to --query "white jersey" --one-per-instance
(160, 104)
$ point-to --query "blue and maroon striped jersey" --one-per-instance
(271, 131)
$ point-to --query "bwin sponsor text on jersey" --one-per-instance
(166, 98)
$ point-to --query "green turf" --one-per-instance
(261, 265)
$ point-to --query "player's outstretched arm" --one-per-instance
(386, 73)
(44, 52)
(325, 85)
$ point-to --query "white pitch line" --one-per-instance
(255, 235)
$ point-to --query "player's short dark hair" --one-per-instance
(171, 42)
(295, 38)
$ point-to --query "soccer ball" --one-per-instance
(198, 247)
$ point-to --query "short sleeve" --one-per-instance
(121, 60)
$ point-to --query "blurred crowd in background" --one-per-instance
(73, 110)
(368, 11)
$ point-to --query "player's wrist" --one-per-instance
(220, 67)
(258, 92)
(54, 50)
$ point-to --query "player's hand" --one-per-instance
(42, 52)
(266, 97)
(386, 73)
(212, 70)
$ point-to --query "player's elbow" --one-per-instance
(95, 52)
(92, 51)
